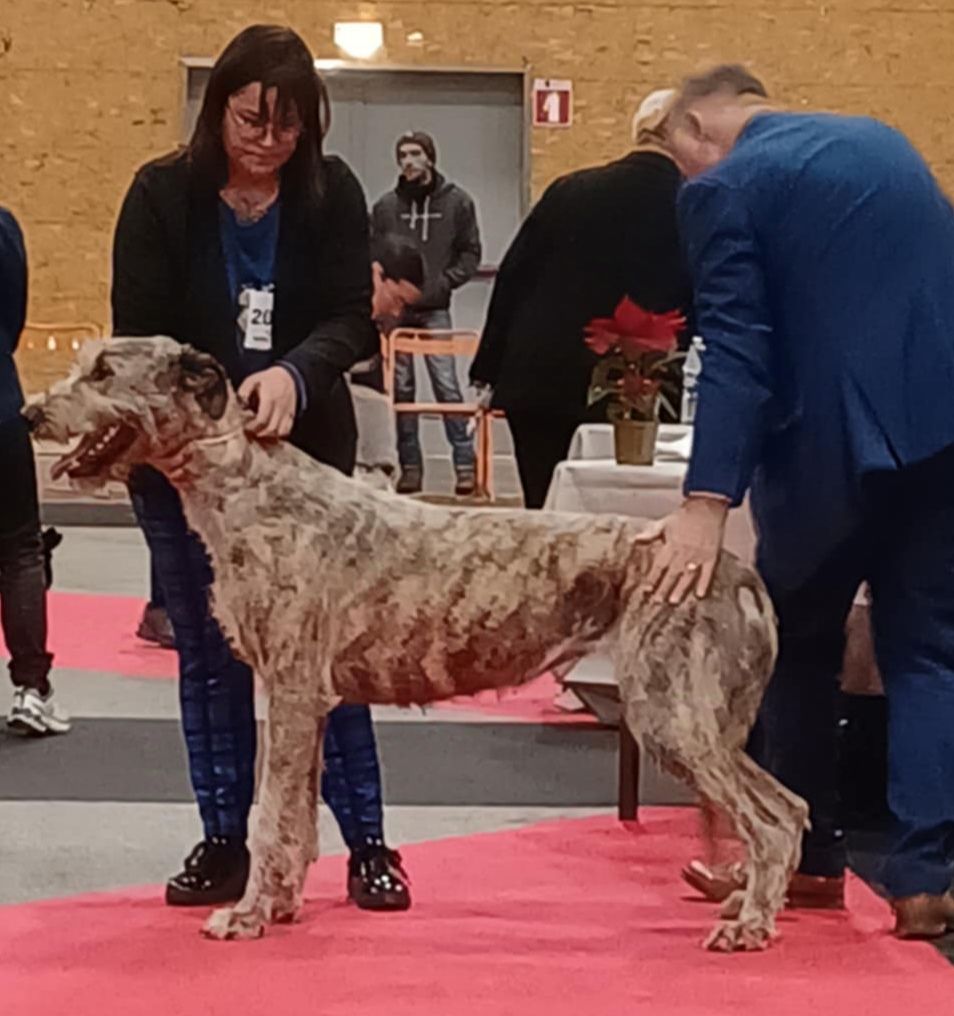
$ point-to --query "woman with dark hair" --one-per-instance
(252, 245)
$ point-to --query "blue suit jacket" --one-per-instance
(13, 293)
(822, 255)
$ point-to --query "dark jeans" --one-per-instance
(443, 374)
(351, 781)
(539, 443)
(156, 596)
(904, 547)
(217, 695)
(22, 575)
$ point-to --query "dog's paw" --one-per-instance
(732, 905)
(286, 911)
(739, 936)
(231, 923)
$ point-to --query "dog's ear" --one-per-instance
(205, 377)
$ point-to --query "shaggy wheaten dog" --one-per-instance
(333, 591)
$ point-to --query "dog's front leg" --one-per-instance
(284, 837)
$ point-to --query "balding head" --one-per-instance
(710, 113)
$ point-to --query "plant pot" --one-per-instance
(635, 441)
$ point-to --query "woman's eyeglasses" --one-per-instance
(254, 128)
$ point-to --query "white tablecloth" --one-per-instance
(595, 441)
(585, 483)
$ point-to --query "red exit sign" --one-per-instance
(552, 103)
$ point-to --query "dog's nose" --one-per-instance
(34, 416)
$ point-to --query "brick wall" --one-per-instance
(89, 89)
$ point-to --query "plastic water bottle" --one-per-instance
(691, 369)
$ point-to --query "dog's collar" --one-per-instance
(205, 442)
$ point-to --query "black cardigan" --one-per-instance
(595, 236)
(169, 278)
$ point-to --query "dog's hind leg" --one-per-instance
(767, 822)
(690, 680)
(314, 791)
(284, 836)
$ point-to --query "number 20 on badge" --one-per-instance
(552, 103)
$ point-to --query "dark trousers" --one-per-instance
(22, 576)
(156, 596)
(904, 547)
(216, 691)
(351, 781)
(539, 443)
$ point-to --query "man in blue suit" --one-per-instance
(22, 572)
(822, 255)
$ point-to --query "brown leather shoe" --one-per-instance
(815, 892)
(923, 916)
(805, 892)
(716, 883)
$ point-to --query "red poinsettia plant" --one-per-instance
(637, 350)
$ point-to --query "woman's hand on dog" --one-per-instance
(272, 396)
(691, 539)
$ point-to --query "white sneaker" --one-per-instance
(35, 715)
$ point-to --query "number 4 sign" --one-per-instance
(552, 103)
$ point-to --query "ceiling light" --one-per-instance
(360, 39)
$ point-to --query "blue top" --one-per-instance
(13, 299)
(249, 250)
(822, 255)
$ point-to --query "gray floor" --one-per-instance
(109, 805)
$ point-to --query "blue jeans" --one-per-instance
(216, 691)
(904, 548)
(443, 374)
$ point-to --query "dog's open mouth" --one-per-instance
(95, 452)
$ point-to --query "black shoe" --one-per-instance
(411, 481)
(466, 481)
(215, 872)
(156, 627)
(376, 879)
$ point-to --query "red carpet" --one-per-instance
(554, 920)
(95, 632)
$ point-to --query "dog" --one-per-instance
(335, 592)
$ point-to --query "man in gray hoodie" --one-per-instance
(440, 219)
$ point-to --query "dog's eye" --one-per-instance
(101, 370)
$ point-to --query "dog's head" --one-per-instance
(132, 402)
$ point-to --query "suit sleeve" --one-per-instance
(345, 334)
(143, 293)
(732, 316)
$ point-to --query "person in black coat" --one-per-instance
(595, 236)
(252, 245)
(22, 572)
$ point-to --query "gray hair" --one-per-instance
(733, 79)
